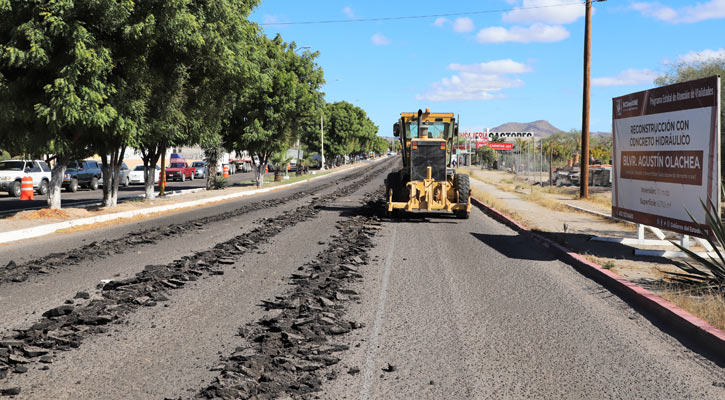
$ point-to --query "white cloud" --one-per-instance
(507, 66)
(627, 77)
(349, 12)
(702, 56)
(482, 81)
(534, 33)
(462, 25)
(272, 19)
(379, 39)
(546, 11)
(441, 21)
(711, 9)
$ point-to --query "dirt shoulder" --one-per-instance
(547, 211)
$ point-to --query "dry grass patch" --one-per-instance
(602, 199)
(492, 202)
(545, 201)
(46, 213)
(708, 305)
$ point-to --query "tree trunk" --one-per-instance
(149, 178)
(211, 156)
(107, 177)
(259, 170)
(150, 158)
(111, 166)
(56, 182)
(116, 167)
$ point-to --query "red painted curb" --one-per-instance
(701, 332)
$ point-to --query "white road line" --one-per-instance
(379, 315)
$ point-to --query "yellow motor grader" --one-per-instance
(427, 182)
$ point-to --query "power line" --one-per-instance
(337, 21)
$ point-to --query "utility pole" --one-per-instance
(584, 163)
(322, 143)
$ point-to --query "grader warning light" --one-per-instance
(427, 182)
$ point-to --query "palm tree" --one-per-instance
(280, 161)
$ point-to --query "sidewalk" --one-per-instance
(35, 223)
(548, 214)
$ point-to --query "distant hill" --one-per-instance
(540, 128)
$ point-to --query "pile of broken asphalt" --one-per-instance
(287, 351)
(66, 326)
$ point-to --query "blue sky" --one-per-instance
(491, 68)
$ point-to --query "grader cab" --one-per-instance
(427, 182)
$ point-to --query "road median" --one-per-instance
(36, 227)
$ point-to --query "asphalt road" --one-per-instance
(445, 309)
(471, 310)
(82, 196)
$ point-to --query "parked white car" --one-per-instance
(135, 177)
(13, 171)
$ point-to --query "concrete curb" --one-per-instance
(42, 230)
(692, 327)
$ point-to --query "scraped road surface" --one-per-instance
(309, 293)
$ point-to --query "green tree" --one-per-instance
(266, 112)
(486, 155)
(54, 78)
(348, 130)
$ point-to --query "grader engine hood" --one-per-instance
(427, 153)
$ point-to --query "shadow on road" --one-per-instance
(517, 246)
(581, 243)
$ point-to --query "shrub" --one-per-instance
(220, 182)
(705, 272)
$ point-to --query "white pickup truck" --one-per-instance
(13, 171)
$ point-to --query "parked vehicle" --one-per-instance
(84, 173)
(201, 169)
(136, 177)
(13, 171)
(123, 173)
(179, 170)
(246, 166)
(241, 165)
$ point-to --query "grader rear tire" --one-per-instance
(462, 184)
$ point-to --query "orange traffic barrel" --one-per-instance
(26, 189)
(226, 171)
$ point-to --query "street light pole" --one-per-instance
(322, 143)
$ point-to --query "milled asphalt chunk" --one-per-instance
(13, 272)
(64, 327)
(287, 353)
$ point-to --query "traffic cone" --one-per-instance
(26, 189)
(225, 173)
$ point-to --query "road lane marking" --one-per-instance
(379, 315)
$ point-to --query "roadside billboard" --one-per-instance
(501, 146)
(488, 135)
(666, 154)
